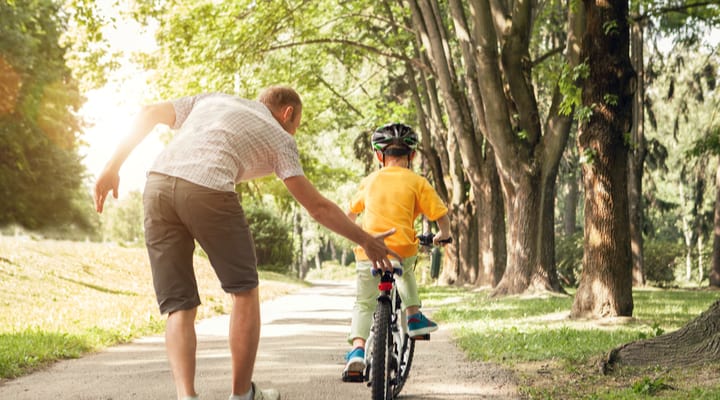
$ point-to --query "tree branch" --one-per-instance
(414, 62)
(664, 10)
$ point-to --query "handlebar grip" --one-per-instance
(426, 239)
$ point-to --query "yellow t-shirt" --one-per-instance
(393, 197)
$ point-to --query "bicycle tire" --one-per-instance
(381, 353)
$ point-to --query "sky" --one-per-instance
(110, 111)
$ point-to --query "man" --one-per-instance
(190, 196)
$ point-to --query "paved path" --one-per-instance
(301, 354)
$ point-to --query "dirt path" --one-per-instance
(301, 354)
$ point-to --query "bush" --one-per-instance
(661, 259)
(273, 245)
(569, 257)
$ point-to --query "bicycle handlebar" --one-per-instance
(426, 239)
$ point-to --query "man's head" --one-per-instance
(394, 140)
(285, 105)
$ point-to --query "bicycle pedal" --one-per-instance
(352, 376)
(422, 337)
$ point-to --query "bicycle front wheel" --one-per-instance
(381, 353)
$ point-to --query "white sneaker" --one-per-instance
(265, 394)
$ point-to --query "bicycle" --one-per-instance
(389, 348)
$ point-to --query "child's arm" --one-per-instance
(352, 216)
(444, 229)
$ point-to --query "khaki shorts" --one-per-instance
(178, 213)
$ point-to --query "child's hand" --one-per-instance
(441, 238)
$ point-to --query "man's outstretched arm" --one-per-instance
(148, 117)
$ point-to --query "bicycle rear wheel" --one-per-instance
(382, 353)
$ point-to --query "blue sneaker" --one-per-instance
(355, 366)
(419, 325)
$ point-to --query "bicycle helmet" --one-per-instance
(396, 139)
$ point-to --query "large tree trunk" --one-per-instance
(696, 343)
(715, 271)
(528, 244)
(605, 288)
(491, 228)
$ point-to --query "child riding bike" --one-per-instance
(392, 197)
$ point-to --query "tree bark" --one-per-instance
(605, 288)
(696, 343)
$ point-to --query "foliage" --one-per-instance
(661, 261)
(41, 173)
(271, 234)
(63, 299)
(123, 220)
(322, 48)
(681, 189)
(569, 257)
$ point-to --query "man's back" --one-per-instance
(223, 140)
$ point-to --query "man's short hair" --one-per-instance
(277, 97)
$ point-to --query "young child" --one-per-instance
(392, 197)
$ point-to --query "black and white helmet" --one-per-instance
(396, 135)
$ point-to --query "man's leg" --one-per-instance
(244, 337)
(181, 344)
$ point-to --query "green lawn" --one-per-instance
(557, 358)
(63, 299)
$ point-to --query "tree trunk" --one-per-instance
(605, 288)
(696, 343)
(637, 157)
(491, 228)
(525, 212)
(715, 272)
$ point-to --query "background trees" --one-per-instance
(41, 173)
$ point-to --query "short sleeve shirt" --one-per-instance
(222, 140)
(393, 197)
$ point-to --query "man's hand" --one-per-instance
(378, 253)
(107, 181)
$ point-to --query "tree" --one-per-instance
(606, 283)
(493, 111)
(687, 22)
(41, 173)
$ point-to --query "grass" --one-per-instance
(554, 357)
(64, 299)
